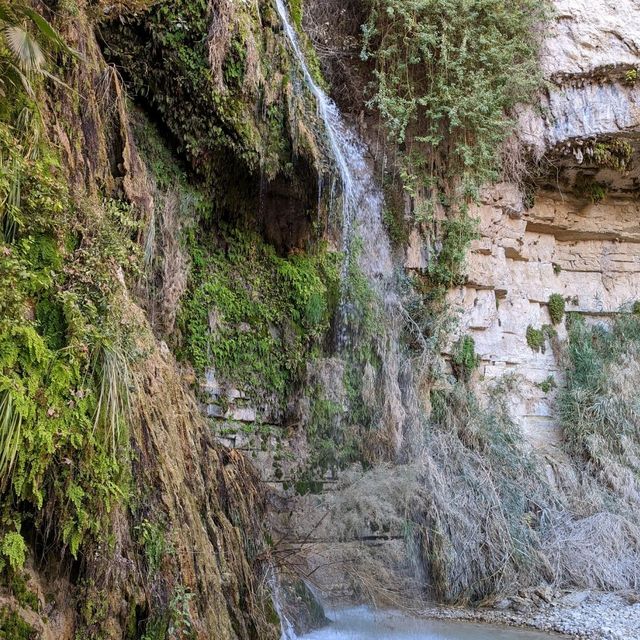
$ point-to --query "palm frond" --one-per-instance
(50, 35)
(26, 51)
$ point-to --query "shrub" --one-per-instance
(464, 359)
(599, 407)
(446, 71)
(556, 306)
(536, 338)
(548, 384)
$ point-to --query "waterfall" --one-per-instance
(364, 238)
(365, 245)
(362, 200)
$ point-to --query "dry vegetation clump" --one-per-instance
(477, 513)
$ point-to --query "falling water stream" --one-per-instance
(365, 239)
(362, 200)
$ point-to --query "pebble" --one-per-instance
(583, 615)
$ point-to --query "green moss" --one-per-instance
(616, 155)
(295, 8)
(635, 309)
(252, 315)
(556, 307)
(13, 627)
(223, 131)
(152, 539)
(588, 188)
(20, 590)
(395, 225)
(234, 66)
(464, 359)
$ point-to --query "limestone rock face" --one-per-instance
(589, 34)
(591, 59)
(587, 253)
(567, 244)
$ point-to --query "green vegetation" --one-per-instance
(296, 8)
(446, 73)
(63, 370)
(548, 384)
(224, 121)
(537, 338)
(395, 226)
(151, 537)
(252, 315)
(556, 307)
(445, 271)
(631, 76)
(17, 583)
(599, 407)
(174, 622)
(26, 41)
(13, 627)
(464, 359)
(616, 154)
(588, 188)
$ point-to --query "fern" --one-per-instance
(14, 549)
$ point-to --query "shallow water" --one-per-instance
(362, 623)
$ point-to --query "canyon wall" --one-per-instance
(579, 234)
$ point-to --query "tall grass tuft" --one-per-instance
(10, 434)
(113, 407)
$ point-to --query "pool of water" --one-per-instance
(362, 623)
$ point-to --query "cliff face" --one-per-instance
(578, 236)
(127, 518)
(178, 303)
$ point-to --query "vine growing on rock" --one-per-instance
(448, 71)
(446, 75)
